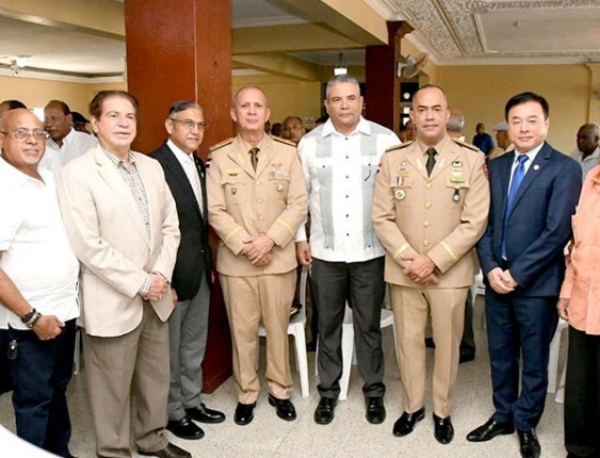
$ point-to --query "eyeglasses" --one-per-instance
(189, 124)
(23, 134)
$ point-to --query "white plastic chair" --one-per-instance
(554, 353)
(296, 328)
(478, 289)
(348, 356)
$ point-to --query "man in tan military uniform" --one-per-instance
(256, 201)
(430, 208)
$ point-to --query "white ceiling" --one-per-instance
(454, 32)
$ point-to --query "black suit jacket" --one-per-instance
(539, 226)
(193, 255)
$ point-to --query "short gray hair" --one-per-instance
(456, 121)
(182, 105)
(338, 79)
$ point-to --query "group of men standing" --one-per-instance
(417, 215)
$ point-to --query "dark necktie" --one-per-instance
(431, 152)
(254, 157)
(515, 184)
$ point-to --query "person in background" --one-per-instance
(587, 152)
(293, 129)
(65, 143)
(80, 122)
(482, 139)
(503, 143)
(8, 105)
(411, 131)
(276, 129)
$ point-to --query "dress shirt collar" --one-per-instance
(531, 154)
(362, 127)
(118, 161)
(66, 141)
(181, 155)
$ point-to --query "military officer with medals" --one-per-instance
(429, 210)
(256, 202)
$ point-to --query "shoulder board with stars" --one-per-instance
(466, 145)
(283, 140)
(221, 144)
(399, 146)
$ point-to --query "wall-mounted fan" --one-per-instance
(412, 67)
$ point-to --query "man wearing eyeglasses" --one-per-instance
(38, 285)
(188, 325)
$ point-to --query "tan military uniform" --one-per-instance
(243, 203)
(442, 216)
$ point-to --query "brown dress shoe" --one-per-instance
(170, 451)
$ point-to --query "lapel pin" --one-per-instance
(536, 167)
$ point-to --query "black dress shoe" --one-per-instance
(185, 429)
(443, 431)
(406, 423)
(170, 451)
(489, 430)
(325, 411)
(203, 414)
(284, 407)
(375, 410)
(529, 445)
(244, 413)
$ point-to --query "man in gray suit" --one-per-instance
(188, 325)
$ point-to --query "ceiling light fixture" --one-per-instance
(340, 69)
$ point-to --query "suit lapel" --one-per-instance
(181, 180)
(505, 180)
(202, 174)
(110, 175)
(540, 161)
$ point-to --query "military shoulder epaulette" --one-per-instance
(283, 140)
(398, 146)
(221, 144)
(466, 145)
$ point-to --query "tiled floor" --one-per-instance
(349, 435)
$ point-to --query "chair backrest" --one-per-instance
(300, 317)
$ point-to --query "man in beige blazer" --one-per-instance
(429, 210)
(256, 201)
(122, 223)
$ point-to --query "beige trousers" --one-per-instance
(250, 301)
(412, 307)
(135, 365)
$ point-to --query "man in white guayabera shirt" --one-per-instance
(340, 160)
(38, 285)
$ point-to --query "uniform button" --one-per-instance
(347, 216)
(426, 243)
(428, 205)
(347, 196)
(426, 224)
(347, 157)
(261, 217)
(258, 183)
(260, 200)
(428, 185)
(347, 234)
(346, 176)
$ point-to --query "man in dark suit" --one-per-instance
(534, 192)
(188, 325)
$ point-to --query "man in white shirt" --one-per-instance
(340, 160)
(38, 285)
(587, 152)
(188, 325)
(65, 143)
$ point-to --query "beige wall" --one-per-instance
(481, 92)
(286, 96)
(37, 93)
